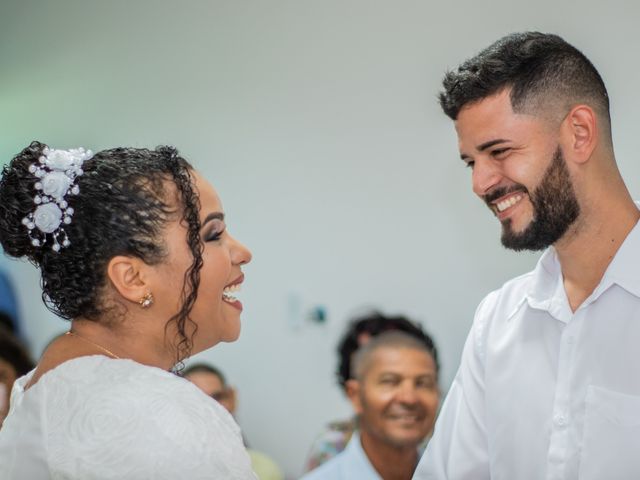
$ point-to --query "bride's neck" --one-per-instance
(128, 339)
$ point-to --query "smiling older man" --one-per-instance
(395, 395)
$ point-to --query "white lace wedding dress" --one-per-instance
(96, 418)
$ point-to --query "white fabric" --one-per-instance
(544, 393)
(99, 418)
(350, 464)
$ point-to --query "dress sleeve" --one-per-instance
(458, 449)
(144, 427)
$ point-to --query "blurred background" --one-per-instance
(317, 121)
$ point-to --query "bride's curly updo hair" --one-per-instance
(122, 208)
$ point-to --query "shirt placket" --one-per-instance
(561, 415)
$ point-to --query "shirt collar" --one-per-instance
(547, 290)
(545, 279)
(623, 269)
(358, 465)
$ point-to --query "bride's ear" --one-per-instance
(128, 277)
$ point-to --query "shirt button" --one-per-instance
(560, 420)
(570, 340)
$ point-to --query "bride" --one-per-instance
(133, 249)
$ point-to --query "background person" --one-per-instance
(395, 396)
(547, 386)
(14, 363)
(358, 333)
(213, 382)
(9, 316)
(133, 249)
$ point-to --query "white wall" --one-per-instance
(317, 121)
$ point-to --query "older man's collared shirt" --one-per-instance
(351, 464)
(543, 392)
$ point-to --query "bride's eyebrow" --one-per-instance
(213, 216)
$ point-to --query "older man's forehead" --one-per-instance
(400, 359)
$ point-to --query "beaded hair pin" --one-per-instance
(56, 172)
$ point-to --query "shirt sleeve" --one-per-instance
(458, 449)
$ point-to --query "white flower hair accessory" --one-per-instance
(56, 174)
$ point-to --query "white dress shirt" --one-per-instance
(543, 392)
(350, 464)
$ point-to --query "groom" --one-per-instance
(548, 386)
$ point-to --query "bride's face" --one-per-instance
(215, 312)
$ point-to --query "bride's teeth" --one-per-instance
(227, 292)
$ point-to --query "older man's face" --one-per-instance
(397, 396)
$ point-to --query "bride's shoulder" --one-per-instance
(125, 395)
(98, 376)
(119, 413)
